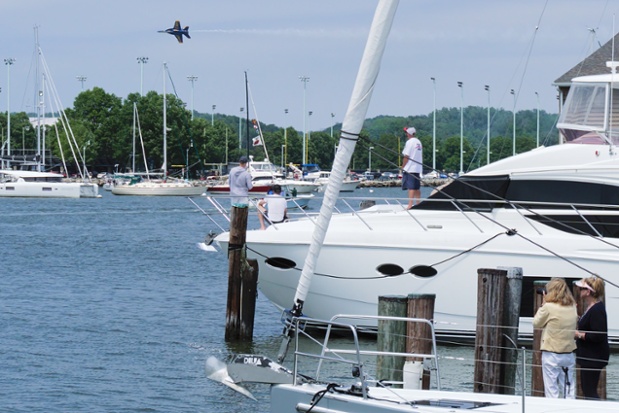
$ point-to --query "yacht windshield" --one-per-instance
(585, 117)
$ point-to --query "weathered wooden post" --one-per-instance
(241, 278)
(391, 337)
(537, 377)
(511, 321)
(489, 333)
(419, 339)
(249, 294)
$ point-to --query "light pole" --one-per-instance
(8, 62)
(309, 129)
(304, 79)
(81, 79)
(433, 126)
(23, 139)
(460, 85)
(537, 96)
(142, 60)
(187, 158)
(283, 147)
(192, 79)
(514, 126)
(332, 116)
(370, 159)
(240, 126)
(286, 139)
(213, 115)
(84, 160)
(487, 87)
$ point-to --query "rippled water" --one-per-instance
(108, 305)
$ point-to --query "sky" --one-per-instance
(522, 45)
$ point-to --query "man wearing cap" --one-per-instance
(273, 207)
(240, 184)
(412, 166)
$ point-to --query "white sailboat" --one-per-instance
(164, 186)
(39, 183)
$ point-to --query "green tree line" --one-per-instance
(103, 124)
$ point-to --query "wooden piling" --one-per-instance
(238, 315)
(419, 335)
(537, 377)
(491, 284)
(391, 337)
(511, 322)
(249, 294)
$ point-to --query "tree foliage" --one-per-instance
(104, 124)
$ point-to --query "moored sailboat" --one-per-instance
(164, 185)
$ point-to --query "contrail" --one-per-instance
(295, 32)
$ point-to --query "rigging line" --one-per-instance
(253, 105)
(509, 230)
(515, 205)
(528, 58)
(470, 249)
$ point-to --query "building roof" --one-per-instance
(594, 64)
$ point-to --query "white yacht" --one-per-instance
(33, 184)
(552, 211)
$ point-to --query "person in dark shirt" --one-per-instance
(592, 351)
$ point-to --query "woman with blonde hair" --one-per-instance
(592, 335)
(558, 317)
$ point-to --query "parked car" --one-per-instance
(388, 176)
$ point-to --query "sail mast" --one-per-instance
(351, 127)
(165, 127)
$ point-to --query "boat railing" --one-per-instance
(364, 207)
(341, 345)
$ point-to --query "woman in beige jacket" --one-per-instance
(558, 317)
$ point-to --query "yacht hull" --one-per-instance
(347, 277)
(48, 190)
(158, 189)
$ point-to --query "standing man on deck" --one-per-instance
(412, 166)
(240, 184)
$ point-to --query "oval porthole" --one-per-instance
(281, 263)
(423, 271)
(390, 270)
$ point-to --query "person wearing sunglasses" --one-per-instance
(591, 335)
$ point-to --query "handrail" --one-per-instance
(334, 354)
(522, 207)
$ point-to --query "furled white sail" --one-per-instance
(351, 127)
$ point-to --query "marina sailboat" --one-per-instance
(164, 185)
(30, 178)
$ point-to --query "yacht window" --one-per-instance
(281, 263)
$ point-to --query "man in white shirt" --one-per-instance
(412, 166)
(273, 207)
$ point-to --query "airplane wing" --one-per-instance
(177, 25)
(179, 37)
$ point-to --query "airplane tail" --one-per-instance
(186, 29)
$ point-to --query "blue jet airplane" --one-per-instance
(177, 31)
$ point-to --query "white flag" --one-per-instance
(257, 141)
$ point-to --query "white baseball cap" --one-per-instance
(410, 130)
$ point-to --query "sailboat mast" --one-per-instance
(133, 152)
(38, 95)
(351, 127)
(247, 114)
(165, 126)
